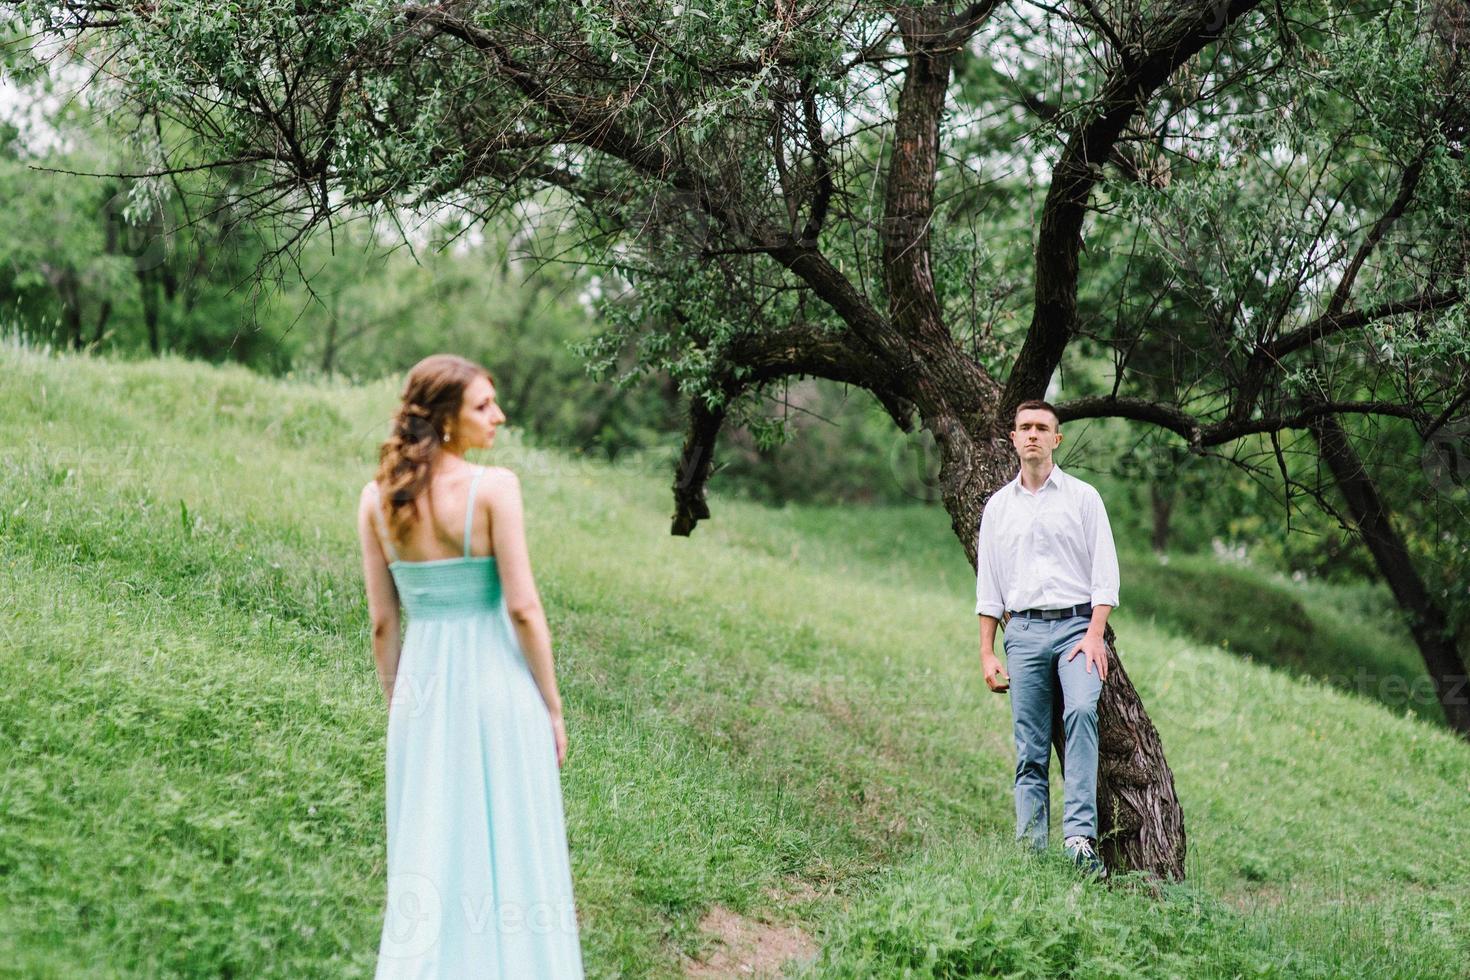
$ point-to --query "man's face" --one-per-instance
(1035, 436)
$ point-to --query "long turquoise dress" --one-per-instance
(479, 881)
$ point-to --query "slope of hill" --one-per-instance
(781, 717)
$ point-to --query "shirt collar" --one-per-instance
(1054, 478)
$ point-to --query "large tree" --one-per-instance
(896, 196)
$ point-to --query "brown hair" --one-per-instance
(431, 397)
(1035, 404)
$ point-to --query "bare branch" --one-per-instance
(1408, 181)
(1332, 323)
(1101, 23)
(755, 359)
(822, 160)
(1199, 434)
(1267, 355)
(259, 156)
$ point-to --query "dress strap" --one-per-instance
(382, 527)
(469, 512)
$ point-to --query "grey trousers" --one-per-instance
(1036, 653)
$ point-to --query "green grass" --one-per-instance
(782, 715)
(1352, 637)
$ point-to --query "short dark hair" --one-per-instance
(1036, 404)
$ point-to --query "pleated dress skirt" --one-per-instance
(479, 880)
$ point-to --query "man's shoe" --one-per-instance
(1084, 855)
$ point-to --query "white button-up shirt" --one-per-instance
(1045, 550)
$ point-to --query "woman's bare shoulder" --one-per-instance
(500, 482)
(366, 500)
(500, 474)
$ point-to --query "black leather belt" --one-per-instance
(1081, 609)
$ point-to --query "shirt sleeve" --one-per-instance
(989, 600)
(1104, 585)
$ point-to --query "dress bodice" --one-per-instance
(447, 587)
(443, 588)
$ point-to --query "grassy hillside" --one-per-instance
(782, 716)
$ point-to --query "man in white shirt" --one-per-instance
(1046, 555)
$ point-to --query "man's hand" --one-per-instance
(1097, 654)
(996, 677)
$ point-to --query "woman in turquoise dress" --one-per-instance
(479, 882)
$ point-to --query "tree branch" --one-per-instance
(1408, 181)
(1268, 355)
(1173, 37)
(1199, 434)
(930, 35)
(1332, 323)
(822, 161)
(598, 130)
(1101, 23)
(756, 358)
(968, 21)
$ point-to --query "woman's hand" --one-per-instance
(559, 731)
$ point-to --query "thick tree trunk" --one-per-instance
(1427, 621)
(1141, 824)
(1140, 821)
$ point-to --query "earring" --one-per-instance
(446, 437)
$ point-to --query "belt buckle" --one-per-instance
(1052, 613)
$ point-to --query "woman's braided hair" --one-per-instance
(431, 398)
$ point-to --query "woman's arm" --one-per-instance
(522, 601)
(382, 594)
